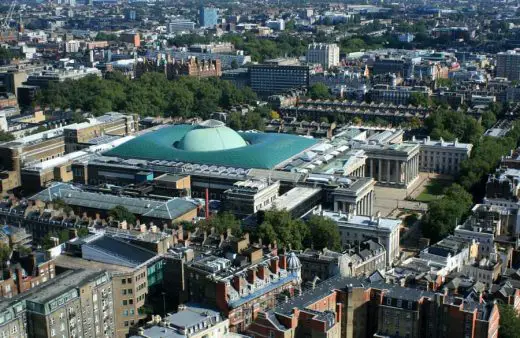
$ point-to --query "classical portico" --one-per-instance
(356, 199)
(393, 165)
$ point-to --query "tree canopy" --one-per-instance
(120, 213)
(150, 95)
(221, 222)
(319, 91)
(324, 233)
(6, 136)
(509, 322)
(318, 232)
(450, 124)
(444, 214)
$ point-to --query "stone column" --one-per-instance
(388, 177)
(397, 172)
(380, 170)
(372, 167)
(336, 208)
(417, 160)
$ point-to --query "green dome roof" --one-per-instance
(210, 135)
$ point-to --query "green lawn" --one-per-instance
(433, 190)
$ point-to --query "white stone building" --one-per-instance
(356, 229)
(325, 54)
(439, 156)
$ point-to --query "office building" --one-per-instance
(208, 17)
(276, 25)
(72, 46)
(248, 197)
(400, 95)
(326, 55)
(54, 143)
(439, 156)
(43, 78)
(131, 38)
(278, 76)
(76, 303)
(508, 65)
(176, 26)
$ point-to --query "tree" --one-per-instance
(274, 115)
(60, 204)
(221, 223)
(509, 321)
(78, 117)
(319, 91)
(418, 99)
(5, 252)
(63, 236)
(83, 232)
(289, 232)
(5, 55)
(488, 119)
(5, 136)
(445, 213)
(120, 213)
(324, 233)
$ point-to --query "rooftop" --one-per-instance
(74, 196)
(177, 143)
(363, 221)
(59, 286)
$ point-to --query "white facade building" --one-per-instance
(325, 54)
(180, 26)
(355, 229)
(451, 252)
(276, 25)
(72, 46)
(442, 157)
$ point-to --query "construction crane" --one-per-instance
(9, 16)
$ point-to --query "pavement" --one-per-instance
(389, 201)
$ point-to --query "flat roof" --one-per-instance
(71, 262)
(363, 221)
(294, 197)
(59, 286)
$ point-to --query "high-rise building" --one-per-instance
(208, 17)
(278, 76)
(508, 65)
(325, 54)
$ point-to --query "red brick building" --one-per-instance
(28, 272)
(350, 307)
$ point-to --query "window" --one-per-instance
(123, 281)
(125, 302)
(389, 301)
